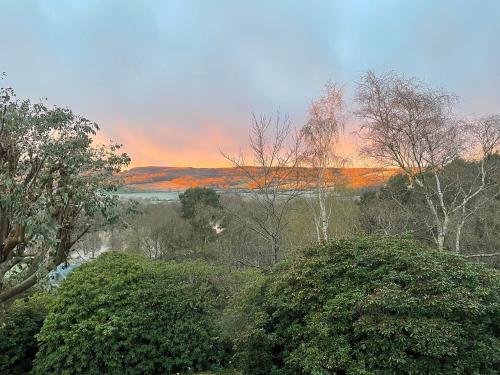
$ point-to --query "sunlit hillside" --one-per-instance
(174, 178)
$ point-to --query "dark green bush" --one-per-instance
(372, 306)
(23, 321)
(125, 315)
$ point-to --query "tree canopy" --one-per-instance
(54, 182)
(198, 196)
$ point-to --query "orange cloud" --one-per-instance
(171, 145)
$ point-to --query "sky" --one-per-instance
(176, 81)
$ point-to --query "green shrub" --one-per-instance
(123, 314)
(23, 321)
(372, 306)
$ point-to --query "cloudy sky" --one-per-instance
(176, 81)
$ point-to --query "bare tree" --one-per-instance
(320, 136)
(483, 142)
(273, 176)
(411, 126)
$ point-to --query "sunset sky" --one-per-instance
(176, 81)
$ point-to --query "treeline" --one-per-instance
(215, 227)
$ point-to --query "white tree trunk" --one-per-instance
(323, 216)
(443, 230)
(441, 225)
(440, 240)
(457, 237)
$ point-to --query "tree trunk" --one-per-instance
(23, 286)
(440, 224)
(440, 241)
(460, 226)
(324, 219)
(276, 248)
(457, 237)
(443, 232)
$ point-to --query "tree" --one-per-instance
(198, 196)
(321, 136)
(53, 183)
(393, 209)
(239, 245)
(273, 177)
(411, 126)
(485, 141)
(202, 208)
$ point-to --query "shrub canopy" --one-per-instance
(125, 315)
(372, 305)
(23, 321)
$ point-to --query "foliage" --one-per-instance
(394, 209)
(198, 196)
(158, 232)
(123, 314)
(202, 208)
(54, 184)
(373, 305)
(18, 344)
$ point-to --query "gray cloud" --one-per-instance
(163, 67)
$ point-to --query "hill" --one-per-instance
(181, 178)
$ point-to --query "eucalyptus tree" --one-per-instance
(54, 188)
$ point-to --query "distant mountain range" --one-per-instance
(181, 178)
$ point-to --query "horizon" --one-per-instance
(246, 166)
(177, 82)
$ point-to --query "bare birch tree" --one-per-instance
(273, 176)
(320, 136)
(483, 143)
(411, 126)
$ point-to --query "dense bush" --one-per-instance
(125, 315)
(372, 306)
(23, 321)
